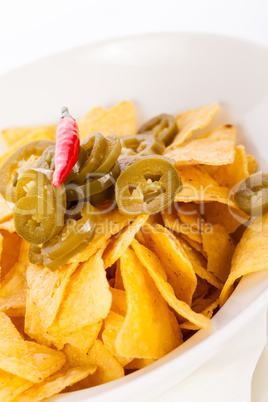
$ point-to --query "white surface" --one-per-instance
(25, 36)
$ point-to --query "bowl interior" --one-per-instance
(160, 73)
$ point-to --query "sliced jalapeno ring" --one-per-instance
(35, 256)
(147, 186)
(163, 127)
(127, 161)
(19, 161)
(252, 194)
(93, 186)
(37, 220)
(145, 144)
(73, 234)
(46, 160)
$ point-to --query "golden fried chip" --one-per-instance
(14, 135)
(137, 364)
(194, 244)
(11, 386)
(10, 251)
(55, 384)
(192, 120)
(220, 249)
(86, 120)
(5, 212)
(35, 135)
(198, 185)
(8, 226)
(251, 254)
(214, 148)
(172, 221)
(147, 331)
(154, 268)
(174, 260)
(233, 173)
(112, 325)
(119, 244)
(118, 281)
(119, 301)
(26, 359)
(119, 119)
(108, 368)
(252, 164)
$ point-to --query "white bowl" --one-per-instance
(159, 73)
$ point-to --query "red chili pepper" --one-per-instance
(67, 147)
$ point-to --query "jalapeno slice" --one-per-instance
(73, 234)
(21, 160)
(144, 144)
(252, 194)
(35, 256)
(93, 186)
(163, 127)
(147, 186)
(36, 220)
(127, 161)
(46, 160)
(58, 263)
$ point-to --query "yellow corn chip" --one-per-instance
(120, 120)
(147, 331)
(11, 386)
(108, 368)
(14, 135)
(137, 364)
(119, 244)
(8, 226)
(220, 249)
(119, 301)
(192, 120)
(174, 260)
(118, 281)
(252, 164)
(154, 268)
(233, 173)
(172, 221)
(10, 251)
(36, 135)
(214, 148)
(251, 254)
(5, 212)
(26, 359)
(112, 325)
(87, 298)
(55, 384)
(93, 114)
(194, 244)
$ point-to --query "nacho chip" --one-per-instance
(11, 386)
(120, 120)
(55, 384)
(147, 331)
(137, 364)
(192, 120)
(26, 359)
(119, 301)
(118, 281)
(108, 368)
(233, 173)
(251, 254)
(10, 251)
(214, 148)
(172, 221)
(14, 135)
(118, 245)
(8, 226)
(5, 211)
(154, 268)
(198, 185)
(220, 249)
(174, 260)
(82, 304)
(252, 164)
(86, 120)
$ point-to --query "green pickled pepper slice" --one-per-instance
(147, 186)
(252, 194)
(163, 127)
(143, 144)
(73, 234)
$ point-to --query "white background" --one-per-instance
(30, 29)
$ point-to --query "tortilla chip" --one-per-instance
(154, 268)
(118, 245)
(147, 331)
(174, 260)
(137, 364)
(252, 164)
(55, 384)
(10, 251)
(220, 249)
(112, 325)
(26, 359)
(231, 174)
(198, 185)
(119, 301)
(11, 386)
(251, 254)
(120, 120)
(108, 368)
(86, 120)
(5, 212)
(14, 135)
(8, 226)
(194, 244)
(192, 120)
(214, 148)
(82, 304)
